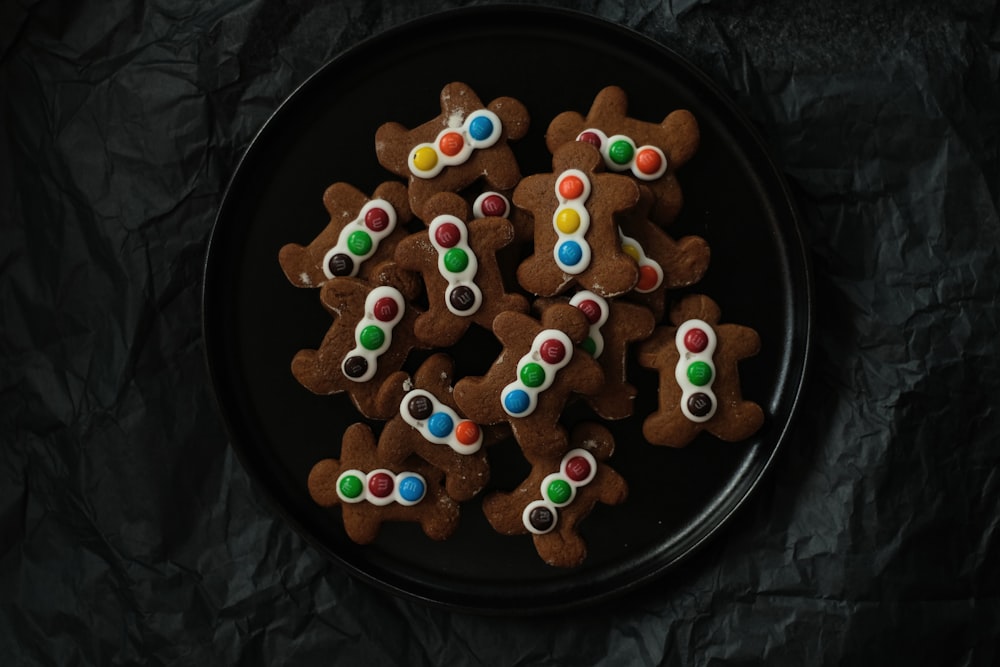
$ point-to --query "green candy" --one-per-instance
(455, 260)
(559, 491)
(359, 243)
(620, 152)
(371, 337)
(699, 373)
(351, 486)
(532, 375)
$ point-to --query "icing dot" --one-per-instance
(371, 337)
(451, 143)
(411, 488)
(359, 243)
(425, 158)
(386, 309)
(517, 401)
(455, 260)
(591, 138)
(376, 219)
(541, 518)
(648, 161)
(420, 407)
(558, 491)
(620, 152)
(631, 251)
(589, 345)
(577, 468)
(567, 220)
(440, 424)
(552, 351)
(480, 128)
(447, 235)
(695, 340)
(571, 187)
(699, 373)
(380, 485)
(647, 278)
(591, 309)
(340, 264)
(699, 404)
(467, 432)
(351, 486)
(355, 367)
(462, 298)
(494, 206)
(570, 253)
(533, 375)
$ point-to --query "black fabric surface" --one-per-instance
(129, 532)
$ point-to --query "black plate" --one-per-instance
(255, 321)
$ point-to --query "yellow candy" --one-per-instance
(631, 251)
(568, 221)
(425, 158)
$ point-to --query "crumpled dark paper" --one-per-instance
(130, 534)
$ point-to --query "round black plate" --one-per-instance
(255, 321)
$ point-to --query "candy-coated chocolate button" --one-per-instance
(552, 351)
(558, 491)
(578, 468)
(355, 367)
(517, 401)
(439, 424)
(567, 221)
(480, 128)
(467, 432)
(340, 264)
(648, 277)
(456, 260)
(570, 253)
(420, 407)
(541, 518)
(386, 309)
(532, 375)
(425, 158)
(699, 373)
(462, 298)
(695, 340)
(359, 243)
(699, 404)
(411, 489)
(589, 346)
(632, 252)
(451, 143)
(494, 206)
(591, 138)
(621, 152)
(447, 235)
(351, 486)
(648, 161)
(591, 309)
(571, 187)
(371, 337)
(376, 219)
(380, 485)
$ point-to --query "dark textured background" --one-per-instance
(129, 533)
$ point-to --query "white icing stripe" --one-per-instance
(385, 326)
(571, 221)
(595, 327)
(359, 226)
(427, 426)
(566, 482)
(703, 359)
(455, 144)
(517, 391)
(408, 488)
(466, 276)
(642, 260)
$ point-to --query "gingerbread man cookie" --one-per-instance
(430, 425)
(361, 235)
(699, 389)
(465, 143)
(538, 369)
(576, 234)
(458, 262)
(560, 492)
(370, 338)
(649, 152)
(370, 492)
(615, 326)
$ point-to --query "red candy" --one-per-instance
(386, 309)
(591, 138)
(494, 206)
(648, 161)
(578, 468)
(380, 485)
(552, 351)
(451, 144)
(591, 309)
(647, 278)
(447, 235)
(696, 340)
(571, 187)
(376, 219)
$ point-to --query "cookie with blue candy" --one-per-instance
(466, 143)
(370, 492)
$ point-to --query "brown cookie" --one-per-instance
(576, 234)
(370, 338)
(369, 492)
(664, 263)
(560, 492)
(615, 326)
(466, 143)
(458, 263)
(699, 389)
(361, 234)
(538, 369)
(429, 424)
(648, 152)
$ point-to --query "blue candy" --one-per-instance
(517, 401)
(481, 128)
(411, 488)
(570, 253)
(440, 424)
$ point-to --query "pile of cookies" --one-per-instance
(571, 271)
